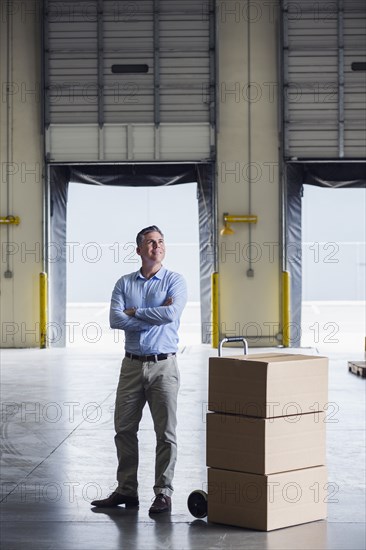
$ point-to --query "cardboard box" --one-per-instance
(267, 502)
(268, 385)
(265, 445)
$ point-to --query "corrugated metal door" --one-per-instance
(324, 79)
(129, 80)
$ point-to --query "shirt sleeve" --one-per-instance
(163, 315)
(120, 320)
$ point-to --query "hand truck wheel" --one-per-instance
(197, 504)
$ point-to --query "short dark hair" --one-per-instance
(140, 234)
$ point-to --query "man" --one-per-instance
(147, 305)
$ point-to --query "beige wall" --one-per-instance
(248, 305)
(21, 165)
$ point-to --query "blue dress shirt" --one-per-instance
(154, 328)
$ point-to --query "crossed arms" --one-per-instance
(142, 318)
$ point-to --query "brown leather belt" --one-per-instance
(146, 358)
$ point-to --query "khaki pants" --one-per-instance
(158, 384)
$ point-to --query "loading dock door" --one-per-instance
(330, 175)
(324, 79)
(140, 175)
(129, 81)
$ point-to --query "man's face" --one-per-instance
(152, 248)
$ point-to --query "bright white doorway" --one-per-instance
(102, 223)
(333, 269)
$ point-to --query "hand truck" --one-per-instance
(197, 500)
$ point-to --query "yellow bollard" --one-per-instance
(286, 311)
(215, 309)
(43, 310)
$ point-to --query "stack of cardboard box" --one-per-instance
(266, 440)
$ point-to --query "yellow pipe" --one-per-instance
(286, 312)
(43, 310)
(215, 309)
(233, 219)
(14, 220)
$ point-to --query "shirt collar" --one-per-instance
(158, 275)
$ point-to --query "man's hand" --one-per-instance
(130, 311)
(168, 301)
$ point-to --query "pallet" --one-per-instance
(357, 367)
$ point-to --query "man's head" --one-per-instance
(151, 246)
(141, 234)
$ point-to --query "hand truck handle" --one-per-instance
(234, 339)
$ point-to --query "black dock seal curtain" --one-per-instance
(132, 175)
(333, 175)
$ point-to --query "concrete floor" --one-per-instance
(58, 455)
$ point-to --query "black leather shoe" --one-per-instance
(115, 499)
(162, 503)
